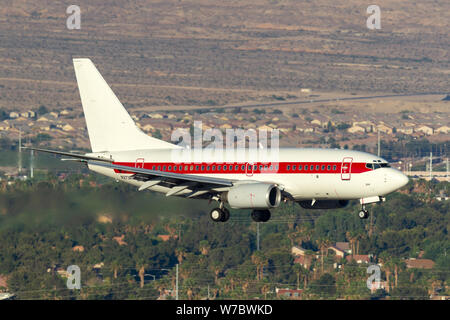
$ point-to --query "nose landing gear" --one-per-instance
(363, 214)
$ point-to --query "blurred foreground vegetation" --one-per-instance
(127, 244)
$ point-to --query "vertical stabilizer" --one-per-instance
(110, 127)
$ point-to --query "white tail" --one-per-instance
(110, 127)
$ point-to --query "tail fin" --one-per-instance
(110, 127)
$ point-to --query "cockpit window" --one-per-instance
(374, 166)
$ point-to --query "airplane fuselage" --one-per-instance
(321, 174)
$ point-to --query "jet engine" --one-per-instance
(324, 204)
(253, 196)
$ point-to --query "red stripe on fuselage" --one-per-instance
(241, 168)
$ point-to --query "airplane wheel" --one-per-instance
(260, 215)
(219, 215)
(363, 214)
(216, 214)
(226, 215)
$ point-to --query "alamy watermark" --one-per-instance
(73, 277)
(238, 145)
(74, 19)
(374, 20)
(374, 280)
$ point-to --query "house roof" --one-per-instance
(344, 246)
(419, 263)
(359, 258)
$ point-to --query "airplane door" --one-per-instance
(249, 169)
(139, 163)
(346, 168)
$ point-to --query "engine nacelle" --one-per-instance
(324, 204)
(253, 196)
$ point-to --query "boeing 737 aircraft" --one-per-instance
(314, 178)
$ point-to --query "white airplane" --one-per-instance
(314, 178)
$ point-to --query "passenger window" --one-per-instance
(159, 168)
(243, 168)
(153, 168)
(323, 167)
(164, 168)
(207, 168)
(294, 167)
(219, 167)
(185, 168)
(236, 168)
(170, 168)
(231, 168)
(328, 167)
(214, 168)
(306, 167)
(288, 167)
(334, 167)
(192, 168)
(299, 167)
(317, 167)
(224, 168)
(203, 168)
(196, 168)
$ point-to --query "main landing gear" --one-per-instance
(260, 215)
(363, 214)
(220, 214)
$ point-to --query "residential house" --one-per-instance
(344, 246)
(359, 258)
(425, 129)
(120, 240)
(305, 261)
(356, 129)
(298, 251)
(265, 127)
(406, 130)
(384, 128)
(78, 248)
(443, 129)
(294, 294)
(13, 115)
(339, 253)
(419, 263)
(167, 237)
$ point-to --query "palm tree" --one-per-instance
(181, 254)
(298, 269)
(260, 261)
(204, 247)
(387, 263)
(115, 264)
(140, 266)
(398, 267)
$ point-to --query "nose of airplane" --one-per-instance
(399, 179)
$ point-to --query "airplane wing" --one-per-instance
(80, 157)
(198, 186)
(163, 174)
